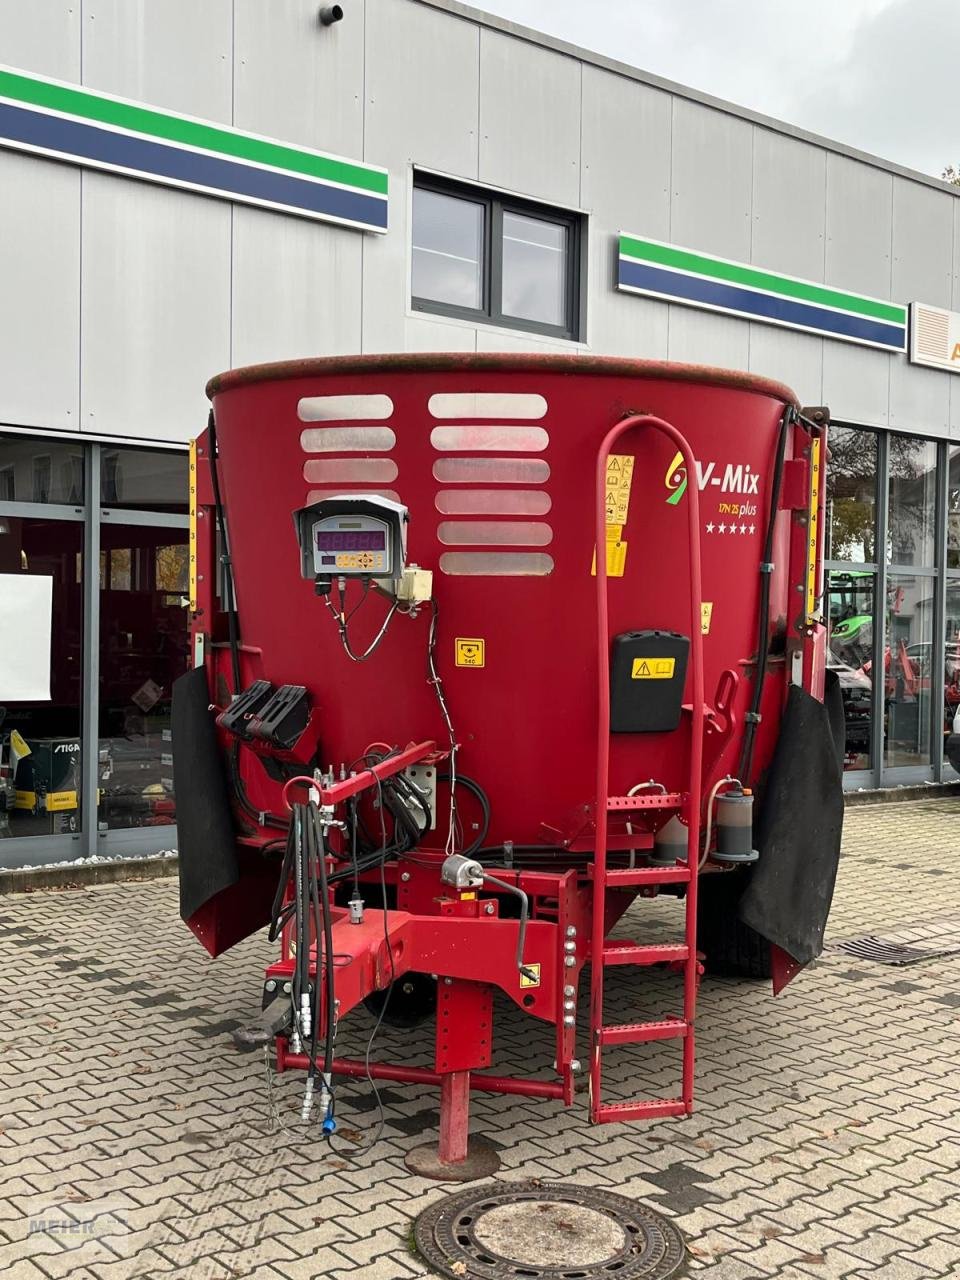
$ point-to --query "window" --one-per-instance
(495, 259)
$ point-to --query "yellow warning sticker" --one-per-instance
(653, 668)
(534, 979)
(706, 616)
(470, 651)
(619, 482)
(616, 555)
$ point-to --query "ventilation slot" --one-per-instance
(499, 564)
(493, 502)
(509, 533)
(343, 408)
(320, 495)
(487, 404)
(347, 439)
(350, 470)
(491, 470)
(483, 436)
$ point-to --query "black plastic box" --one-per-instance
(648, 670)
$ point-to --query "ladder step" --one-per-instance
(679, 874)
(644, 800)
(655, 953)
(639, 1032)
(650, 1109)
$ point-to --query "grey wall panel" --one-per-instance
(919, 398)
(789, 182)
(40, 271)
(625, 184)
(793, 358)
(856, 383)
(702, 337)
(529, 119)
(712, 172)
(433, 334)
(156, 307)
(169, 53)
(430, 118)
(503, 340)
(296, 288)
(922, 243)
(955, 291)
(625, 141)
(859, 227)
(955, 406)
(299, 81)
(386, 273)
(41, 36)
(623, 324)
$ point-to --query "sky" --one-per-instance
(880, 75)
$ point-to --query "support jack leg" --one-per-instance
(456, 1158)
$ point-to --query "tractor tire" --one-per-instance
(409, 1001)
(732, 948)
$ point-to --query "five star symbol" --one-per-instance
(730, 528)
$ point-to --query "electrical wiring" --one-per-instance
(341, 619)
(433, 678)
(382, 1118)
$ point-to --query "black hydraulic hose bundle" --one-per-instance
(766, 573)
(229, 593)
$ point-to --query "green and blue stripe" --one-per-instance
(696, 279)
(82, 127)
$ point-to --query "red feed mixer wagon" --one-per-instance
(440, 746)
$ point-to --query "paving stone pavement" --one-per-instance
(137, 1142)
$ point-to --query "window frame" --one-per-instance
(495, 205)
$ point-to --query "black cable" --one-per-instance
(258, 816)
(382, 1119)
(476, 790)
(229, 592)
(766, 573)
(327, 946)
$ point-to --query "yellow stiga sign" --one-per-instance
(471, 651)
(653, 668)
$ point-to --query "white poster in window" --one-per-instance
(26, 613)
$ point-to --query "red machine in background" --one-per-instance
(433, 736)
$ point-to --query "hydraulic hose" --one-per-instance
(229, 593)
(766, 573)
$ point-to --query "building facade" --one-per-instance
(192, 187)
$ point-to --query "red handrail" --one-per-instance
(603, 744)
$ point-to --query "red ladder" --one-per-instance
(605, 954)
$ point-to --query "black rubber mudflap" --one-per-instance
(206, 838)
(798, 833)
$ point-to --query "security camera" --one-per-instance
(329, 14)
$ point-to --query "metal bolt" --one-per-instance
(271, 985)
(569, 961)
(569, 1020)
(404, 876)
(571, 930)
(569, 946)
(287, 988)
(575, 1064)
(569, 1005)
(447, 982)
(799, 587)
(489, 909)
(569, 991)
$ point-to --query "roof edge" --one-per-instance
(472, 14)
(509, 362)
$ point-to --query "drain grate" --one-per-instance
(547, 1231)
(927, 941)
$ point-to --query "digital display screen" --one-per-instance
(362, 540)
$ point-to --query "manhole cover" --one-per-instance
(528, 1230)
